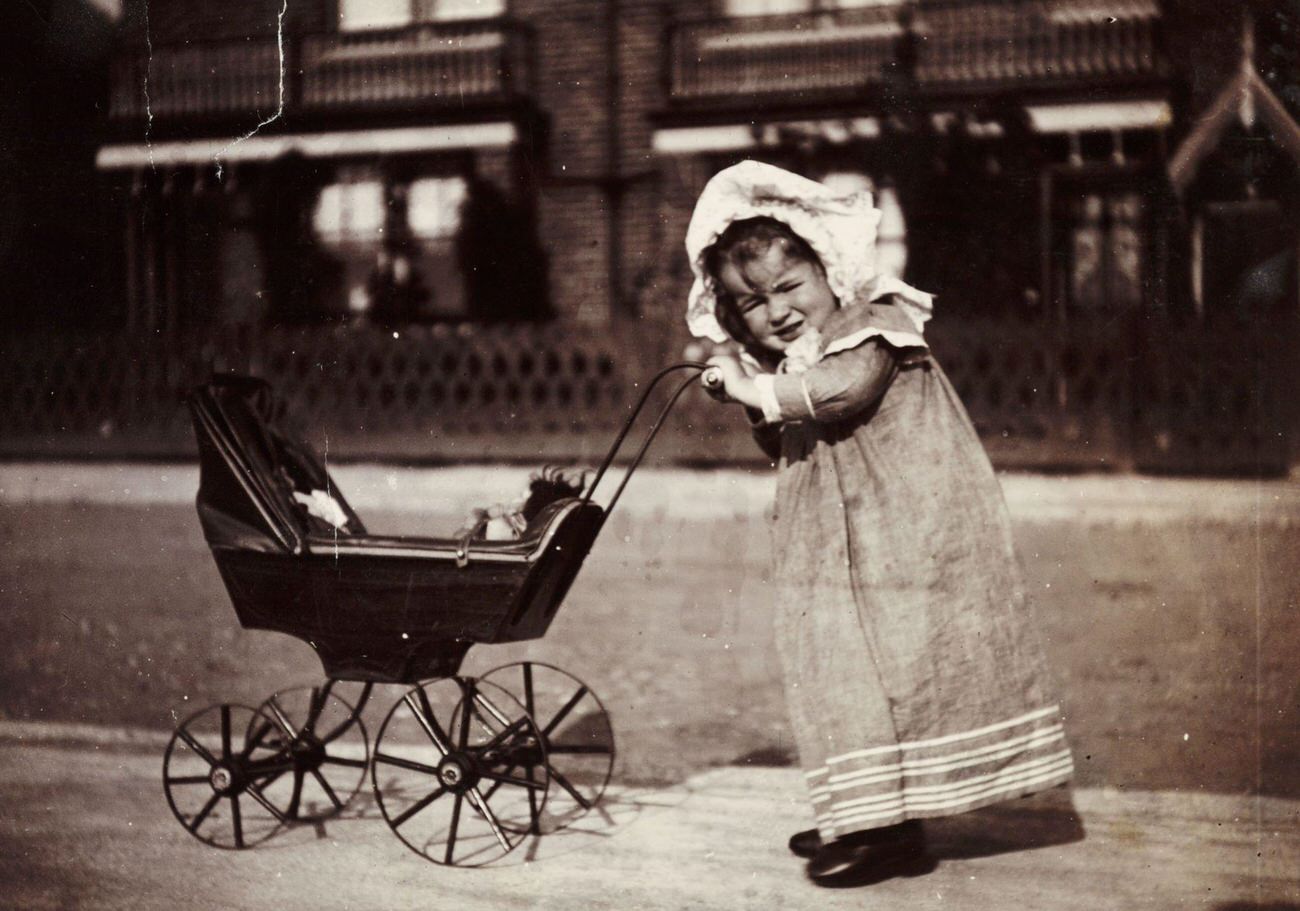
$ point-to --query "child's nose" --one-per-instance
(778, 310)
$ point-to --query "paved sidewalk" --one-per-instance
(83, 827)
(679, 493)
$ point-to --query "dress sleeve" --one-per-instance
(838, 386)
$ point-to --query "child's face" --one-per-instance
(779, 297)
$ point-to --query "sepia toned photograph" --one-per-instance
(649, 454)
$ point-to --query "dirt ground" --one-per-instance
(1174, 643)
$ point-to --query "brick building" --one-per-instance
(1078, 180)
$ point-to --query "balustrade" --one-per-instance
(449, 63)
(203, 79)
(953, 42)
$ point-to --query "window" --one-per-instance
(395, 243)
(1103, 259)
(891, 233)
(358, 15)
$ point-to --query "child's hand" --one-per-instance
(725, 376)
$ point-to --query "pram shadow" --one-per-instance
(572, 831)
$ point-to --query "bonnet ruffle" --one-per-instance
(840, 229)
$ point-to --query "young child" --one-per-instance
(914, 676)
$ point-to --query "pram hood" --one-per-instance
(250, 466)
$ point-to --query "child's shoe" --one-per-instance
(872, 856)
(806, 843)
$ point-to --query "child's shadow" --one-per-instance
(1039, 821)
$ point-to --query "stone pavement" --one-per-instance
(86, 826)
(680, 493)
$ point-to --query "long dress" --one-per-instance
(914, 675)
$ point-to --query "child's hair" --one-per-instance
(742, 242)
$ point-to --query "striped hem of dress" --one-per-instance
(940, 776)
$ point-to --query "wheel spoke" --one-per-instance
(256, 739)
(317, 705)
(256, 793)
(467, 688)
(424, 715)
(534, 815)
(340, 760)
(401, 763)
(563, 713)
(578, 749)
(529, 705)
(225, 731)
(203, 814)
(451, 832)
(296, 797)
(514, 728)
(189, 779)
(564, 783)
(269, 778)
(512, 780)
(237, 821)
(197, 747)
(325, 786)
(279, 716)
(352, 716)
(418, 806)
(478, 803)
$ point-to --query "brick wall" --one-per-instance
(181, 20)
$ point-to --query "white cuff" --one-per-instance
(807, 399)
(765, 383)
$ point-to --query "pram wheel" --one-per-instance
(323, 735)
(459, 771)
(213, 776)
(576, 733)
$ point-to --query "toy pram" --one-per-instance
(462, 768)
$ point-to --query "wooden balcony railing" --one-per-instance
(1041, 39)
(450, 62)
(231, 77)
(789, 53)
(936, 44)
(437, 63)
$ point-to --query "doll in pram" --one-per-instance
(462, 769)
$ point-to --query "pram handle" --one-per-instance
(712, 377)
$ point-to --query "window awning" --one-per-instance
(227, 150)
(1146, 114)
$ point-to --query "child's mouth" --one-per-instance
(790, 333)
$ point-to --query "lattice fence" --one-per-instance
(1121, 394)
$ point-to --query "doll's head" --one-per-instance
(770, 285)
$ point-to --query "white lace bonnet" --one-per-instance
(840, 229)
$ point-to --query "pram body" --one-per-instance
(374, 607)
(383, 609)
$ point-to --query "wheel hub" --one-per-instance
(222, 779)
(308, 752)
(456, 773)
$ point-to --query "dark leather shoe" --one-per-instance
(873, 856)
(805, 843)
